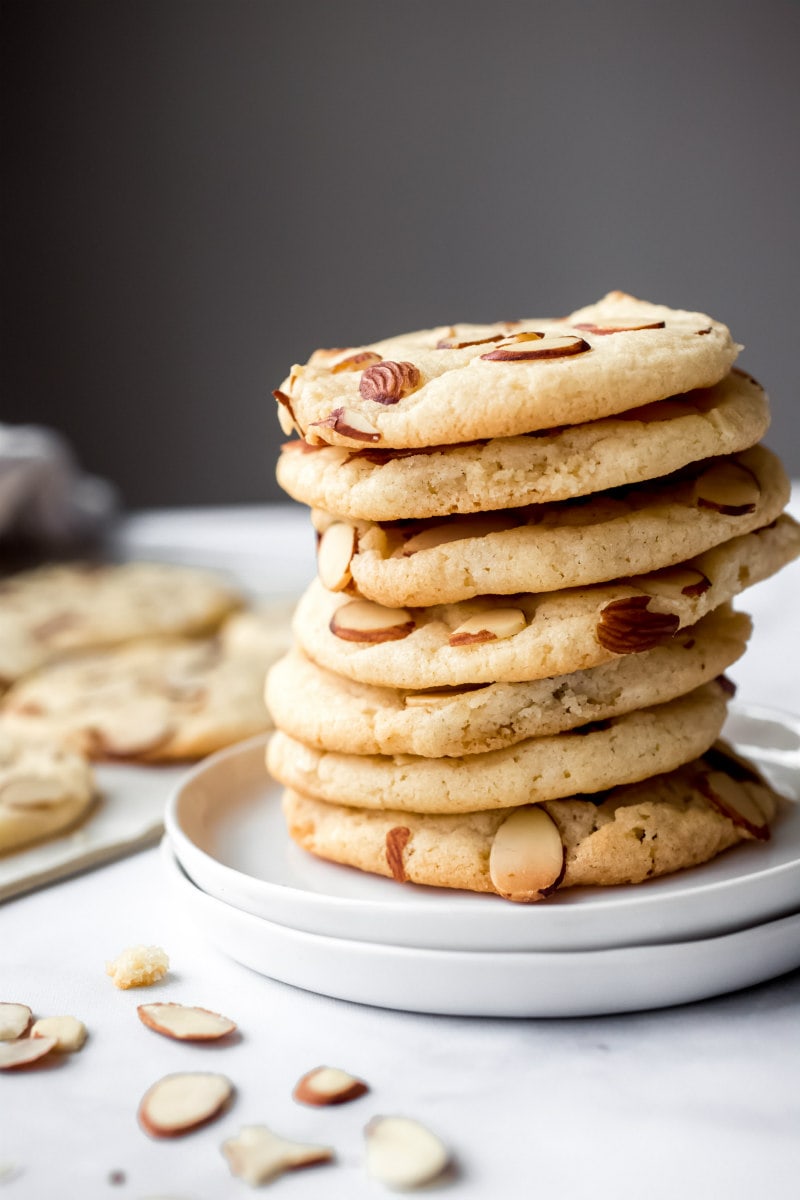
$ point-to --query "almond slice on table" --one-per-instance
(328, 1085)
(24, 1051)
(179, 1103)
(365, 621)
(185, 1023)
(14, 1020)
(489, 626)
(337, 546)
(258, 1155)
(402, 1153)
(527, 859)
(69, 1033)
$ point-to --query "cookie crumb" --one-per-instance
(138, 966)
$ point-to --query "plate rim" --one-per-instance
(447, 904)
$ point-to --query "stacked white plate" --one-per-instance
(330, 929)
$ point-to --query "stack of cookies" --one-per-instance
(509, 675)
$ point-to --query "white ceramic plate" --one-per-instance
(128, 816)
(491, 983)
(227, 830)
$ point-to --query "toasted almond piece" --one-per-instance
(138, 966)
(388, 382)
(347, 423)
(627, 626)
(364, 621)
(24, 1051)
(676, 581)
(493, 624)
(328, 1085)
(452, 343)
(31, 791)
(184, 1022)
(357, 361)
(258, 1155)
(135, 738)
(69, 1033)
(559, 346)
(179, 1103)
(286, 417)
(14, 1020)
(622, 326)
(731, 798)
(728, 488)
(527, 860)
(402, 1153)
(453, 531)
(334, 555)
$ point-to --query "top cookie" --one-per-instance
(458, 383)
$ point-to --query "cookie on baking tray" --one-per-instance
(153, 701)
(43, 789)
(624, 836)
(332, 713)
(596, 756)
(54, 610)
(458, 383)
(653, 440)
(628, 531)
(507, 639)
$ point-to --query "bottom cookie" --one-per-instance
(626, 835)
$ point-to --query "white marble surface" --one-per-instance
(696, 1101)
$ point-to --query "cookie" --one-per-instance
(263, 633)
(528, 637)
(329, 712)
(462, 382)
(628, 531)
(643, 443)
(152, 701)
(54, 610)
(43, 789)
(625, 836)
(596, 756)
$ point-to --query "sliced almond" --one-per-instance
(452, 343)
(627, 626)
(527, 860)
(453, 531)
(364, 621)
(729, 488)
(492, 625)
(388, 382)
(30, 791)
(675, 581)
(732, 799)
(184, 1022)
(328, 1085)
(402, 1153)
(14, 1020)
(69, 1033)
(258, 1155)
(140, 735)
(358, 361)
(286, 417)
(621, 326)
(348, 424)
(560, 346)
(334, 555)
(24, 1051)
(179, 1103)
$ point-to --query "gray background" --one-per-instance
(197, 194)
